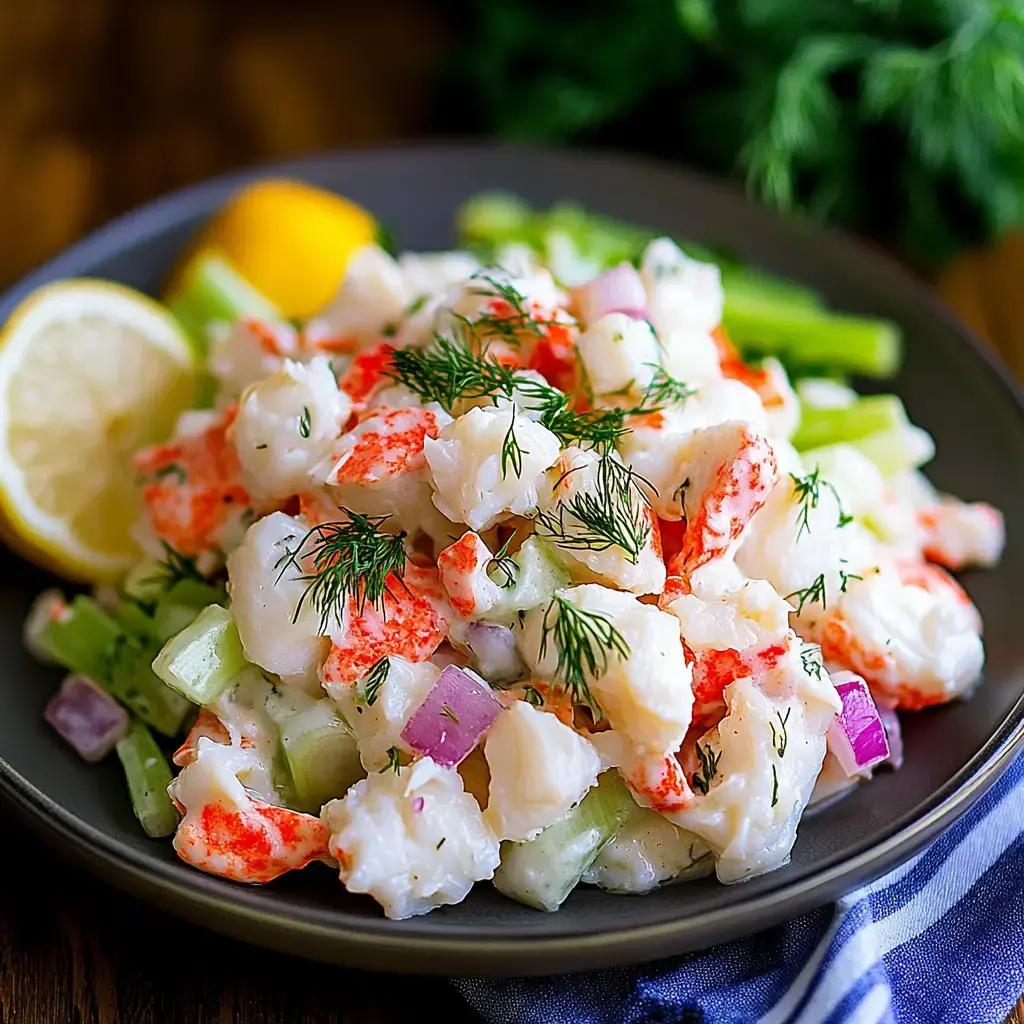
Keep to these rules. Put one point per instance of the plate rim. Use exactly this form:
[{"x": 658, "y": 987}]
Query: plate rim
[{"x": 376, "y": 943}]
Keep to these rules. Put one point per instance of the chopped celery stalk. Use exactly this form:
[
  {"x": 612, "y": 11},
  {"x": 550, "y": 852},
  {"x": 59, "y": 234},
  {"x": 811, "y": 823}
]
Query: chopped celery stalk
[
  {"x": 202, "y": 660},
  {"x": 808, "y": 337},
  {"x": 569, "y": 236},
  {"x": 543, "y": 871},
  {"x": 156, "y": 606},
  {"x": 80, "y": 637},
  {"x": 321, "y": 755},
  {"x": 873, "y": 414},
  {"x": 131, "y": 679},
  {"x": 899, "y": 449},
  {"x": 148, "y": 775},
  {"x": 213, "y": 290}
]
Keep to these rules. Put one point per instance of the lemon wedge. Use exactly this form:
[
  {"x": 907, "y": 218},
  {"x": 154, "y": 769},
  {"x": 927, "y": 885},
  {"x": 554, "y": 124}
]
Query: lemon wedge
[
  {"x": 89, "y": 373},
  {"x": 290, "y": 241}
]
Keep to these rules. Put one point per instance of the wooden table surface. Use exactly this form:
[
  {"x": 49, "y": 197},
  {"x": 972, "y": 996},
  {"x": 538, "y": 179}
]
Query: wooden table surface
[{"x": 73, "y": 951}]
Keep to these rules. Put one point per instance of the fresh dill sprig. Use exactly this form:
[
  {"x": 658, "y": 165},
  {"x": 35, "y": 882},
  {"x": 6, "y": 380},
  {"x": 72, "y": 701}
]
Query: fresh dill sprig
[
  {"x": 448, "y": 713},
  {"x": 445, "y": 372},
  {"x": 611, "y": 514},
  {"x": 844, "y": 579},
  {"x": 352, "y": 559},
  {"x": 511, "y": 453},
  {"x": 709, "y": 759},
  {"x": 810, "y": 657},
  {"x": 780, "y": 739},
  {"x": 504, "y": 563},
  {"x": 663, "y": 390},
  {"x": 599, "y": 429},
  {"x": 583, "y": 643},
  {"x": 172, "y": 469},
  {"x": 305, "y": 422},
  {"x": 394, "y": 762},
  {"x": 375, "y": 679},
  {"x": 775, "y": 785},
  {"x": 810, "y": 595},
  {"x": 807, "y": 491},
  {"x": 175, "y": 568},
  {"x": 511, "y": 326}
]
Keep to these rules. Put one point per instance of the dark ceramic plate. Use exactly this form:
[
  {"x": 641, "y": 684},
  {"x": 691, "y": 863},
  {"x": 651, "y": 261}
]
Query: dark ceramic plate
[{"x": 951, "y": 386}]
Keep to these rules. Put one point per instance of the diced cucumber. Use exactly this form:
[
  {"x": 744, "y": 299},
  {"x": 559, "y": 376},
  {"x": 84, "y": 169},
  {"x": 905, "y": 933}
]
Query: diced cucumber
[
  {"x": 154, "y": 605},
  {"x": 893, "y": 451},
  {"x": 212, "y": 290},
  {"x": 131, "y": 679},
  {"x": 873, "y": 414},
  {"x": 202, "y": 660},
  {"x": 542, "y": 872},
  {"x": 537, "y": 576},
  {"x": 80, "y": 637},
  {"x": 148, "y": 775},
  {"x": 321, "y": 755}
]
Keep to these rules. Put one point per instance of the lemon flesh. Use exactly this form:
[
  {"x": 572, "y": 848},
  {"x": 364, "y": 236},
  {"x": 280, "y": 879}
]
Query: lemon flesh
[{"x": 90, "y": 372}]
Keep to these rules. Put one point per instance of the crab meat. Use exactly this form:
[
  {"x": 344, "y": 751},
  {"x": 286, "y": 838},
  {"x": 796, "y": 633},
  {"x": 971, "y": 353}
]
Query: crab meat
[
  {"x": 193, "y": 491},
  {"x": 729, "y": 472},
  {"x": 226, "y": 832},
  {"x": 286, "y": 425},
  {"x": 627, "y": 551},
  {"x": 644, "y": 693},
  {"x": 249, "y": 351},
  {"x": 959, "y": 534},
  {"x": 463, "y": 571},
  {"x": 206, "y": 724},
  {"x": 478, "y": 479},
  {"x": 911, "y": 632},
  {"x": 619, "y": 354},
  {"x": 411, "y": 624}
]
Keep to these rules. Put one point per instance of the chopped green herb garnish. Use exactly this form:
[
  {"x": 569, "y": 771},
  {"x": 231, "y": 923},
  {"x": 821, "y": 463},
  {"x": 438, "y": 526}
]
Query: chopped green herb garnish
[
  {"x": 780, "y": 739},
  {"x": 810, "y": 656},
  {"x": 810, "y": 595},
  {"x": 583, "y": 642},
  {"x": 448, "y": 713},
  {"x": 305, "y": 422},
  {"x": 260, "y": 447},
  {"x": 394, "y": 762},
  {"x": 533, "y": 696},
  {"x": 173, "y": 569},
  {"x": 504, "y": 564},
  {"x": 375, "y": 679},
  {"x": 845, "y": 578},
  {"x": 511, "y": 453},
  {"x": 610, "y": 514},
  {"x": 708, "y": 767},
  {"x": 440, "y": 843},
  {"x": 347, "y": 560},
  {"x": 807, "y": 491},
  {"x": 172, "y": 469},
  {"x": 664, "y": 390},
  {"x": 775, "y": 785}
]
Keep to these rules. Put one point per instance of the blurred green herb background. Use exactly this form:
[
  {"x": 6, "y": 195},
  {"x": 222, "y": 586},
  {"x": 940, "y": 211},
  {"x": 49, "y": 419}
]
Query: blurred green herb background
[{"x": 900, "y": 119}]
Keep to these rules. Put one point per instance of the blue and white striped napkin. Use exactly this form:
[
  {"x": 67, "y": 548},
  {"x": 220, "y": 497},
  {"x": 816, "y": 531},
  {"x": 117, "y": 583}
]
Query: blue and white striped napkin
[{"x": 938, "y": 941}]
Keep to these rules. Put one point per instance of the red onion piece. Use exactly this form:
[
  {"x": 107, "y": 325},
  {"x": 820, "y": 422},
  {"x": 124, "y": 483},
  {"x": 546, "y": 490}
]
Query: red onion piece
[
  {"x": 455, "y": 713},
  {"x": 618, "y": 290},
  {"x": 495, "y": 653},
  {"x": 87, "y": 717},
  {"x": 893, "y": 733},
  {"x": 856, "y": 735}
]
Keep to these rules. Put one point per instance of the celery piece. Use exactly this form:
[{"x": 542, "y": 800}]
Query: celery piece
[
  {"x": 154, "y": 605},
  {"x": 321, "y": 755},
  {"x": 213, "y": 290},
  {"x": 527, "y": 579},
  {"x": 203, "y": 659},
  {"x": 80, "y": 638},
  {"x": 543, "y": 871},
  {"x": 493, "y": 218},
  {"x": 872, "y": 414},
  {"x": 896, "y": 450},
  {"x": 809, "y": 337},
  {"x": 131, "y": 679},
  {"x": 148, "y": 775}
]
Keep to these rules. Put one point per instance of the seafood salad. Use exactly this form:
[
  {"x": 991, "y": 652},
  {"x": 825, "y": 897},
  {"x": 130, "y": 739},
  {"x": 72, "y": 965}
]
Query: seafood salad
[{"x": 543, "y": 561}]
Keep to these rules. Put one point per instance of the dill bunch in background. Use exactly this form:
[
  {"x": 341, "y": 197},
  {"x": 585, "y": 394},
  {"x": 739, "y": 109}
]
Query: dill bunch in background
[{"x": 900, "y": 119}]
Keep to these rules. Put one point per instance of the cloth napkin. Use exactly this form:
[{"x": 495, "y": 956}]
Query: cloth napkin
[{"x": 940, "y": 940}]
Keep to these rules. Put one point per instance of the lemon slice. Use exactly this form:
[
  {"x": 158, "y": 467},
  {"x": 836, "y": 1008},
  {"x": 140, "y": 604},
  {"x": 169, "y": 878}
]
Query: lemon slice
[
  {"x": 290, "y": 241},
  {"x": 89, "y": 373}
]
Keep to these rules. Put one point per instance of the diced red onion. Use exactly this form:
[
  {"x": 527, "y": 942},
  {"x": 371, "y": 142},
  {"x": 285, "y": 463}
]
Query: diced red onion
[
  {"x": 856, "y": 735},
  {"x": 893, "y": 733},
  {"x": 495, "y": 652},
  {"x": 618, "y": 290},
  {"x": 87, "y": 717},
  {"x": 417, "y": 804},
  {"x": 454, "y": 715}
]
